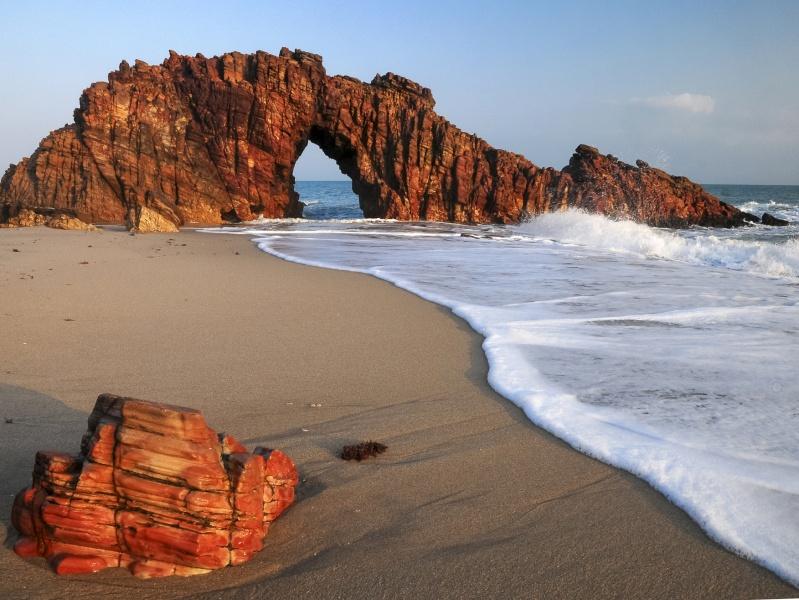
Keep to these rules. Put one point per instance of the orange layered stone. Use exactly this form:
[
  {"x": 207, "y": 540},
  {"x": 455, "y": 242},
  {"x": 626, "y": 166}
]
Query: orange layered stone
[
  {"x": 89, "y": 527},
  {"x": 142, "y": 537},
  {"x": 280, "y": 479},
  {"x": 96, "y": 483},
  {"x": 162, "y": 494},
  {"x": 207, "y": 452},
  {"x": 247, "y": 475},
  {"x": 77, "y": 565},
  {"x": 182, "y": 423},
  {"x": 217, "y": 503},
  {"x": 154, "y": 490},
  {"x": 100, "y": 445},
  {"x": 152, "y": 463}
]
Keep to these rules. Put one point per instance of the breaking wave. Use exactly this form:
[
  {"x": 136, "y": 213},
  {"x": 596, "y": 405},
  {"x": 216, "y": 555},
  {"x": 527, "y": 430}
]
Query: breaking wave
[
  {"x": 706, "y": 247},
  {"x": 671, "y": 354}
]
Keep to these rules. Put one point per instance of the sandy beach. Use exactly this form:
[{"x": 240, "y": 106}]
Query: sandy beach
[{"x": 470, "y": 500}]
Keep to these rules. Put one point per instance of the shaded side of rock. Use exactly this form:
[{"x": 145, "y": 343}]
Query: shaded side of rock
[{"x": 769, "y": 219}]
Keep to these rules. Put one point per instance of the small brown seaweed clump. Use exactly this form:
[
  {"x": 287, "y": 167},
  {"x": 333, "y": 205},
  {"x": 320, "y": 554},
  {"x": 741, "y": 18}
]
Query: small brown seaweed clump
[{"x": 363, "y": 450}]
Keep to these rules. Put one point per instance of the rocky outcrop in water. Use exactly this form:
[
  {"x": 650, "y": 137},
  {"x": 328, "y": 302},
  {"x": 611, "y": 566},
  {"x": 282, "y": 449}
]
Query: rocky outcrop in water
[
  {"x": 212, "y": 140},
  {"x": 154, "y": 490},
  {"x": 769, "y": 219}
]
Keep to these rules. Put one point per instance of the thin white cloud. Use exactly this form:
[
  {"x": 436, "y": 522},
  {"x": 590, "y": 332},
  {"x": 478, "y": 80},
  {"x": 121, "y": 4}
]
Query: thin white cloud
[{"x": 694, "y": 103}]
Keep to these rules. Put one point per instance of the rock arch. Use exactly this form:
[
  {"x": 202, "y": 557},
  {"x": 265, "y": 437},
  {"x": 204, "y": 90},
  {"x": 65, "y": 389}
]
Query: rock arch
[{"x": 209, "y": 140}]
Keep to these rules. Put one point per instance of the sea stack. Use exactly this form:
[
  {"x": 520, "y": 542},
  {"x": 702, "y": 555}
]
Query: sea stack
[
  {"x": 154, "y": 490},
  {"x": 200, "y": 140}
]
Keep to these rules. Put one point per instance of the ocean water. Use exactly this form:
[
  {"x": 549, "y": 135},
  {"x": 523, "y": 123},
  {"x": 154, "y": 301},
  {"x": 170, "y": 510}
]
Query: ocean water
[
  {"x": 328, "y": 200},
  {"x": 671, "y": 354}
]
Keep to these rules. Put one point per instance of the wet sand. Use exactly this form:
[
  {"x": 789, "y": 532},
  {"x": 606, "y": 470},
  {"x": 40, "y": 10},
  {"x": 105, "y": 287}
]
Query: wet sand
[{"x": 470, "y": 500}]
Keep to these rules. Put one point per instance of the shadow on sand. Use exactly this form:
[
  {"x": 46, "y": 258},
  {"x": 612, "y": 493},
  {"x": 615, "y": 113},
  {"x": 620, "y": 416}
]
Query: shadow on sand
[{"x": 38, "y": 422}]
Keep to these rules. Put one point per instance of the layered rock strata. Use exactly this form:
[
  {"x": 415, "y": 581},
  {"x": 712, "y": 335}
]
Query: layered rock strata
[
  {"x": 154, "y": 490},
  {"x": 212, "y": 140}
]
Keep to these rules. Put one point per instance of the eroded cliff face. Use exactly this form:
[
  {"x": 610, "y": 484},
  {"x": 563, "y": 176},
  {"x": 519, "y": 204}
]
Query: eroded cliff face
[{"x": 210, "y": 140}]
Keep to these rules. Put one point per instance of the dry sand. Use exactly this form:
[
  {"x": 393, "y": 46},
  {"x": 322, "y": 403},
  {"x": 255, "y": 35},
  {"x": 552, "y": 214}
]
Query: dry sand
[{"x": 470, "y": 500}]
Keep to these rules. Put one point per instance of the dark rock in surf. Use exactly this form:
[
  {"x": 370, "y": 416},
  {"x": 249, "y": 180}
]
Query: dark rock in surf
[{"x": 768, "y": 219}]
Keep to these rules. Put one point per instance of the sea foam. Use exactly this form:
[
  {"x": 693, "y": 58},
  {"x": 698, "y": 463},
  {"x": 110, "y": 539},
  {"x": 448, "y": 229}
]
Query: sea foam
[
  {"x": 669, "y": 354},
  {"x": 703, "y": 248}
]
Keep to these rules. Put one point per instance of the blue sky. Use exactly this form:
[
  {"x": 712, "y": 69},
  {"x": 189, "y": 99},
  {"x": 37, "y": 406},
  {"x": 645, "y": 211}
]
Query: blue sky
[{"x": 707, "y": 91}]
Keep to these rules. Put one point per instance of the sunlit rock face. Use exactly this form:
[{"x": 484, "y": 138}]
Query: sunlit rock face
[
  {"x": 154, "y": 490},
  {"x": 212, "y": 140}
]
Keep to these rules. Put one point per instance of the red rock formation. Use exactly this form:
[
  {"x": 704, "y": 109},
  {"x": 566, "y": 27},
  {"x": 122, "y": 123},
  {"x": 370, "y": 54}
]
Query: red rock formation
[
  {"x": 203, "y": 140},
  {"x": 154, "y": 490}
]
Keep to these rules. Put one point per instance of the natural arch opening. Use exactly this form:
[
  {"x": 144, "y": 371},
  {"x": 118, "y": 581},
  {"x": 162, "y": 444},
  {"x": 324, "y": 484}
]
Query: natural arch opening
[{"x": 322, "y": 186}]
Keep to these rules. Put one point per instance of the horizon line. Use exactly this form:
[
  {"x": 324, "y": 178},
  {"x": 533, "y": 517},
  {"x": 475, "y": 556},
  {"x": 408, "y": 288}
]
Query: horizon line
[{"x": 700, "y": 183}]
